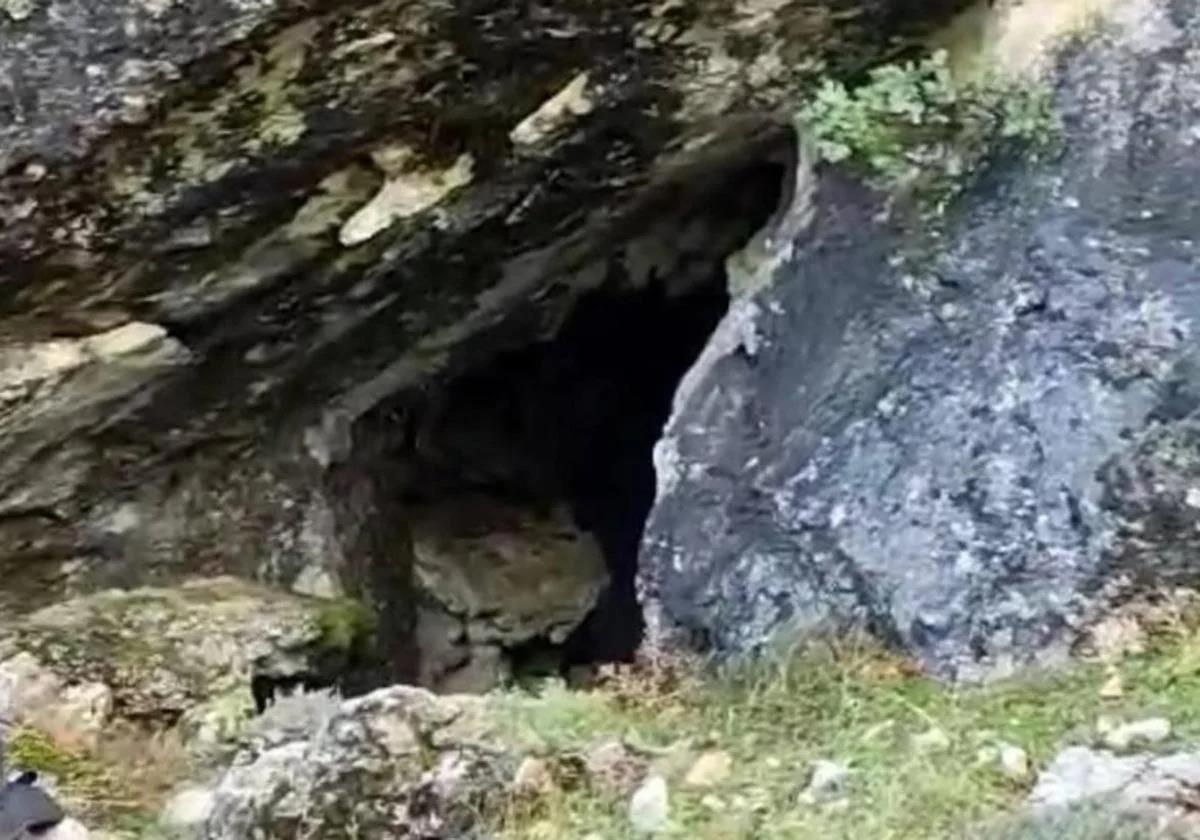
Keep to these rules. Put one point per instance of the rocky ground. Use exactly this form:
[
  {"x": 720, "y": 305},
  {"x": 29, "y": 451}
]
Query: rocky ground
[
  {"x": 601, "y": 420},
  {"x": 837, "y": 739}
]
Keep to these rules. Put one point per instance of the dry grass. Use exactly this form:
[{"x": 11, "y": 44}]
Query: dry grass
[
  {"x": 121, "y": 783},
  {"x": 857, "y": 705}
]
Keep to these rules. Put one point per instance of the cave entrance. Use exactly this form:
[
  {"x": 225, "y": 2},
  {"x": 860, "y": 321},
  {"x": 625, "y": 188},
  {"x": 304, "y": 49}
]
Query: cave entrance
[{"x": 527, "y": 479}]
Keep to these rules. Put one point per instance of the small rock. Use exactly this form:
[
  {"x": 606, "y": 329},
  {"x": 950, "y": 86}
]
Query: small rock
[
  {"x": 68, "y": 829},
  {"x": 987, "y": 755},
  {"x": 713, "y": 803},
  {"x": 709, "y": 770},
  {"x": 1140, "y": 733},
  {"x": 828, "y": 782},
  {"x": 613, "y": 768},
  {"x": 932, "y": 740},
  {"x": 649, "y": 806},
  {"x": 533, "y": 778},
  {"x": 1014, "y": 762},
  {"x": 1113, "y": 687},
  {"x": 188, "y": 809}
]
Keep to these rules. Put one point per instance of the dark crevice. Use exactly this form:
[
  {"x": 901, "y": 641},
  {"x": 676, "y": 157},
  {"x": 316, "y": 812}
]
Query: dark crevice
[{"x": 545, "y": 451}]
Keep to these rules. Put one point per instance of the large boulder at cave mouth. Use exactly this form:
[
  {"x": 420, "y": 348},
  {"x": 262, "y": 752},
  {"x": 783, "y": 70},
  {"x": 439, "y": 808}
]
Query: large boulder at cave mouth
[
  {"x": 972, "y": 442},
  {"x": 192, "y": 654}
]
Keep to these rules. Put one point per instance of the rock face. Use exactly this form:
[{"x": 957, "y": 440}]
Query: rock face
[
  {"x": 974, "y": 470},
  {"x": 154, "y": 655},
  {"x": 398, "y": 762},
  {"x": 246, "y": 247}
]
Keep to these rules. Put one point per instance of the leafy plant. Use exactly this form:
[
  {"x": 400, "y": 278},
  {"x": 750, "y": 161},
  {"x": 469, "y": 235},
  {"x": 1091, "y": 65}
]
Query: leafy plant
[{"x": 913, "y": 128}]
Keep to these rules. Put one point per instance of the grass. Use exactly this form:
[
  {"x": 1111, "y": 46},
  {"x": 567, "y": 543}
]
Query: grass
[
  {"x": 120, "y": 785},
  {"x": 852, "y": 704}
]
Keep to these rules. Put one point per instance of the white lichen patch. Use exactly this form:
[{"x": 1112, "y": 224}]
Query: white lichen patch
[
  {"x": 126, "y": 340},
  {"x": 156, "y": 7},
  {"x": 282, "y": 122},
  {"x": 1017, "y": 38},
  {"x": 337, "y": 195},
  {"x": 573, "y": 101},
  {"x": 17, "y": 9},
  {"x": 404, "y": 196}
]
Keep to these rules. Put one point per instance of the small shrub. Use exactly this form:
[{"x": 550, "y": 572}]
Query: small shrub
[
  {"x": 913, "y": 128},
  {"x": 345, "y": 626}
]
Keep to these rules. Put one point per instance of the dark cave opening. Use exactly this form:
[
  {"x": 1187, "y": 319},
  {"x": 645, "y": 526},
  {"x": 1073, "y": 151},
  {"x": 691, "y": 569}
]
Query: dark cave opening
[{"x": 520, "y": 472}]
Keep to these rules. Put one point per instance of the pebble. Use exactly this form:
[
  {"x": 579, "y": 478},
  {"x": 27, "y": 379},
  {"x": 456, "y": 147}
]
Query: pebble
[
  {"x": 533, "y": 777},
  {"x": 709, "y": 770},
  {"x": 1139, "y": 733},
  {"x": 650, "y": 806},
  {"x": 188, "y": 808},
  {"x": 1113, "y": 687},
  {"x": 828, "y": 781},
  {"x": 1014, "y": 762},
  {"x": 932, "y": 740}
]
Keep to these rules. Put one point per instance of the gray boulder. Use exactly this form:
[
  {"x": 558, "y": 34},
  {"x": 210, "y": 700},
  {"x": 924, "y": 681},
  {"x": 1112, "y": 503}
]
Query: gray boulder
[
  {"x": 1157, "y": 791},
  {"x": 974, "y": 470},
  {"x": 399, "y": 762}
]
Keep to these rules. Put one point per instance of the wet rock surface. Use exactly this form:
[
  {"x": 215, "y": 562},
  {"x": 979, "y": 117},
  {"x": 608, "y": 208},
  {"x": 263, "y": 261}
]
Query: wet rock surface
[{"x": 973, "y": 470}]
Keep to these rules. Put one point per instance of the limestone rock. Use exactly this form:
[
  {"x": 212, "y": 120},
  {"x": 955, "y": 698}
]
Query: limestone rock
[
  {"x": 497, "y": 576},
  {"x": 68, "y": 829},
  {"x": 614, "y": 768},
  {"x": 1013, "y": 762},
  {"x": 931, "y": 740},
  {"x": 187, "y": 811},
  {"x": 650, "y": 806},
  {"x": 977, "y": 467},
  {"x": 710, "y": 769},
  {"x": 1157, "y": 788},
  {"x": 827, "y": 782},
  {"x": 533, "y": 778},
  {"x": 1142, "y": 733},
  {"x": 163, "y": 652},
  {"x": 398, "y": 761}
]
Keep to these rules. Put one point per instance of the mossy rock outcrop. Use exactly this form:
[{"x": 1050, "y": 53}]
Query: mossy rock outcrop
[{"x": 165, "y": 652}]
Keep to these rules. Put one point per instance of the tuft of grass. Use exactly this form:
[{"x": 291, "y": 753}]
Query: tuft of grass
[
  {"x": 1085, "y": 822},
  {"x": 120, "y": 785},
  {"x": 345, "y": 625},
  {"x": 854, "y": 704}
]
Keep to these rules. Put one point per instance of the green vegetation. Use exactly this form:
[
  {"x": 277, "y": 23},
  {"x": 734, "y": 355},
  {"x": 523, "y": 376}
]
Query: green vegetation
[
  {"x": 31, "y": 749},
  {"x": 860, "y": 707},
  {"x": 914, "y": 128},
  {"x": 120, "y": 785},
  {"x": 345, "y": 625}
]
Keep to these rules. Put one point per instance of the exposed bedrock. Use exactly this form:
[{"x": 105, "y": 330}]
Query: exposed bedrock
[{"x": 973, "y": 471}]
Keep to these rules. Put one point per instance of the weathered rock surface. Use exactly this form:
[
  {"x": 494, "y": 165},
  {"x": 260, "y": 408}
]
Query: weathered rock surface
[
  {"x": 972, "y": 471},
  {"x": 154, "y": 655},
  {"x": 399, "y": 762},
  {"x": 1158, "y": 789},
  {"x": 245, "y": 244}
]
